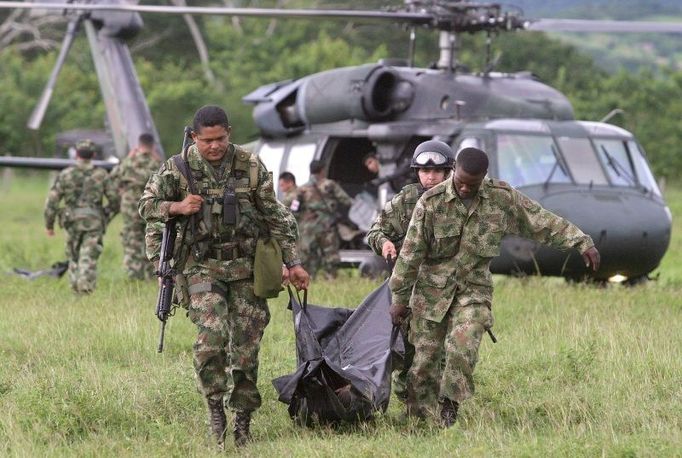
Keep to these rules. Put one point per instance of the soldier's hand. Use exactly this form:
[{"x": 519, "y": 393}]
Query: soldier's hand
[
  {"x": 49, "y": 232},
  {"x": 592, "y": 258},
  {"x": 188, "y": 206},
  {"x": 285, "y": 275},
  {"x": 299, "y": 277},
  {"x": 388, "y": 251},
  {"x": 398, "y": 313}
]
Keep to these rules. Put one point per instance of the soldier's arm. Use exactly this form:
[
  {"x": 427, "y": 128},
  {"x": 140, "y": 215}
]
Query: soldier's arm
[
  {"x": 342, "y": 196},
  {"x": 413, "y": 253},
  {"x": 539, "y": 224},
  {"x": 152, "y": 240},
  {"x": 113, "y": 198},
  {"x": 276, "y": 216},
  {"x": 52, "y": 203},
  {"x": 161, "y": 191},
  {"x": 387, "y": 225}
]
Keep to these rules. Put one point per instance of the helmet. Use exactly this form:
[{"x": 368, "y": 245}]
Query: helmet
[
  {"x": 86, "y": 148},
  {"x": 432, "y": 154}
]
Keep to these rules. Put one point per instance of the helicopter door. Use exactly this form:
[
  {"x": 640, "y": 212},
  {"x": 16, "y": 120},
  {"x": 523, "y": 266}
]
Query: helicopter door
[
  {"x": 344, "y": 156},
  {"x": 271, "y": 155},
  {"x": 298, "y": 161}
]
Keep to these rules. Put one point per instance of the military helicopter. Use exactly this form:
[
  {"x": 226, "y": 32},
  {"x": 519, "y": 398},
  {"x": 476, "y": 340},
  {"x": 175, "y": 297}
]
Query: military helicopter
[{"x": 593, "y": 173}]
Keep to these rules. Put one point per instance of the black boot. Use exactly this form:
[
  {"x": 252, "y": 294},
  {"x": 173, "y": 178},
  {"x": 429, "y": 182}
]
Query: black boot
[
  {"x": 448, "y": 412},
  {"x": 242, "y": 422},
  {"x": 217, "y": 420}
]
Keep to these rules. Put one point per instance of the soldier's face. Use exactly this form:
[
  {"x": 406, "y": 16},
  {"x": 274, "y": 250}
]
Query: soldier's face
[
  {"x": 431, "y": 177},
  {"x": 372, "y": 164},
  {"x": 466, "y": 184},
  {"x": 285, "y": 185},
  {"x": 212, "y": 142}
]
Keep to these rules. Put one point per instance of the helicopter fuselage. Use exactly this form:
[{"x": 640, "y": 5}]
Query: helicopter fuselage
[{"x": 593, "y": 174}]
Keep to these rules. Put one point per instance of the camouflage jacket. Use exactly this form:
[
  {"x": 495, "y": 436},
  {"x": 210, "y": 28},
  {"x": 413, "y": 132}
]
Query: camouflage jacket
[
  {"x": 392, "y": 222},
  {"x": 288, "y": 198},
  {"x": 448, "y": 248},
  {"x": 131, "y": 175},
  {"x": 83, "y": 188},
  {"x": 320, "y": 201},
  {"x": 259, "y": 214}
]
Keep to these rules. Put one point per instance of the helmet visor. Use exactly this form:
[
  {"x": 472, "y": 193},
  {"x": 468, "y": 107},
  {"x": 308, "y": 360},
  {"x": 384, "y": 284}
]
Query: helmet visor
[{"x": 431, "y": 158}]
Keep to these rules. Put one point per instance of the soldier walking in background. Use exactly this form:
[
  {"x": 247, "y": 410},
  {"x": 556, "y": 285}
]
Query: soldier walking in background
[
  {"x": 234, "y": 206},
  {"x": 287, "y": 186},
  {"x": 432, "y": 162},
  {"x": 443, "y": 276},
  {"x": 84, "y": 216},
  {"x": 320, "y": 201},
  {"x": 130, "y": 178}
]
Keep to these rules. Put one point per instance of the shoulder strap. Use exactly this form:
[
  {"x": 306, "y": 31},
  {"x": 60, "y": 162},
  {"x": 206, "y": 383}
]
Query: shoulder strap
[
  {"x": 183, "y": 167},
  {"x": 253, "y": 172}
]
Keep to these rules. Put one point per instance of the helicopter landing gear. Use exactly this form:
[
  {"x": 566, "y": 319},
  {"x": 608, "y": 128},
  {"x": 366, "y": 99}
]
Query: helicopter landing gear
[{"x": 374, "y": 267}]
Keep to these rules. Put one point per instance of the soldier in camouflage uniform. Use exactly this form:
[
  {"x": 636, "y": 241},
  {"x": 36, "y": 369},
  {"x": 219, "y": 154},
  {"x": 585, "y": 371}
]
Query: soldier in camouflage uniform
[
  {"x": 432, "y": 161},
  {"x": 130, "y": 177},
  {"x": 234, "y": 206},
  {"x": 318, "y": 203},
  {"x": 287, "y": 186},
  {"x": 442, "y": 276},
  {"x": 84, "y": 216}
]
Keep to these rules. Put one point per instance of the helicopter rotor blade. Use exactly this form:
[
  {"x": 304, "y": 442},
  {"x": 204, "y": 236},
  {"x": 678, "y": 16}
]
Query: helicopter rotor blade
[
  {"x": 400, "y": 16},
  {"x": 38, "y": 113},
  {"x": 589, "y": 25}
]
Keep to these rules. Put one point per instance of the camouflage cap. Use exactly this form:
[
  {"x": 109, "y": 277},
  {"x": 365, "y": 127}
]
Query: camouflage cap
[{"x": 86, "y": 146}]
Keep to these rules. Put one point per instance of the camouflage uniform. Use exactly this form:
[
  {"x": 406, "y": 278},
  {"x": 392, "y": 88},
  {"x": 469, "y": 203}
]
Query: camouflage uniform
[
  {"x": 289, "y": 197},
  {"x": 391, "y": 225},
  {"x": 229, "y": 317},
  {"x": 130, "y": 177},
  {"x": 84, "y": 218},
  {"x": 445, "y": 258},
  {"x": 317, "y": 218}
]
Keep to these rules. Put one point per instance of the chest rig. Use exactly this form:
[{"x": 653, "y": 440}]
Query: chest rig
[{"x": 226, "y": 218}]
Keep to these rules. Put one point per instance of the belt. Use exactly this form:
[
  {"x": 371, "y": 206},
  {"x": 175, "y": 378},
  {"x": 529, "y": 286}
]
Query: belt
[{"x": 221, "y": 253}]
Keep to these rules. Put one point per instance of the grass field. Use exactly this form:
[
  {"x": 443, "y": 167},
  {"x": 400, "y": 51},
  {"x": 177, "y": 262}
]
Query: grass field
[{"x": 577, "y": 371}]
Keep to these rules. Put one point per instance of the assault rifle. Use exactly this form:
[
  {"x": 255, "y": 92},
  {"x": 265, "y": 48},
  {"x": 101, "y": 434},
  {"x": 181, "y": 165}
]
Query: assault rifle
[{"x": 166, "y": 271}]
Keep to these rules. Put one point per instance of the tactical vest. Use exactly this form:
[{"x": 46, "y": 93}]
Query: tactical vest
[{"x": 228, "y": 224}]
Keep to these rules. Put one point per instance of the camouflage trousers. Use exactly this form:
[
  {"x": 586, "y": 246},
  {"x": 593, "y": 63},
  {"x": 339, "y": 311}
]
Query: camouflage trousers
[
  {"x": 455, "y": 340},
  {"x": 83, "y": 248},
  {"x": 400, "y": 375},
  {"x": 132, "y": 237},
  {"x": 319, "y": 249},
  {"x": 230, "y": 328}
]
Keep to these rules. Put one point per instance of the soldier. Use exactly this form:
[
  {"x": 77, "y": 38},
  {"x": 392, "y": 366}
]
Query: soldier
[
  {"x": 84, "y": 216},
  {"x": 287, "y": 186},
  {"x": 432, "y": 161},
  {"x": 235, "y": 205},
  {"x": 130, "y": 177},
  {"x": 319, "y": 202},
  {"x": 442, "y": 276}
]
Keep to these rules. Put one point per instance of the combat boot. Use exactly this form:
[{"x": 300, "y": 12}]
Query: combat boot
[
  {"x": 242, "y": 423},
  {"x": 217, "y": 420},
  {"x": 448, "y": 412}
]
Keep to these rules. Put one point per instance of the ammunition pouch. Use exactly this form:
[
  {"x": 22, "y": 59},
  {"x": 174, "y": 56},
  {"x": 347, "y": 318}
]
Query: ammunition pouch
[
  {"x": 181, "y": 291},
  {"x": 223, "y": 252},
  {"x": 267, "y": 269}
]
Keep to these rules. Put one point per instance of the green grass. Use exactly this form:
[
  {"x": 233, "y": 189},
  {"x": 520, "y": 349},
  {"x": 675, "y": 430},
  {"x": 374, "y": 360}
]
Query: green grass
[{"x": 577, "y": 371}]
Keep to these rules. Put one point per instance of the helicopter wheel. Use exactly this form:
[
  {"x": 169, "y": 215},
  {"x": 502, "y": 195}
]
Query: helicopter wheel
[
  {"x": 635, "y": 281},
  {"x": 374, "y": 268}
]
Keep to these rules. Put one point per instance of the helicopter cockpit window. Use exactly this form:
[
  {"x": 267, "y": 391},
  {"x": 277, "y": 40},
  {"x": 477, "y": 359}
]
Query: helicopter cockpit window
[
  {"x": 271, "y": 155},
  {"x": 529, "y": 159},
  {"x": 582, "y": 161},
  {"x": 646, "y": 178},
  {"x": 615, "y": 158},
  {"x": 299, "y": 161}
]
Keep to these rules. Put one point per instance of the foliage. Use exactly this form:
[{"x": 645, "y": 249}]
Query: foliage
[{"x": 577, "y": 371}]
